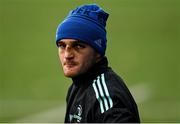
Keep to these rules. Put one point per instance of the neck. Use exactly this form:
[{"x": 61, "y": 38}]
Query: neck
[{"x": 92, "y": 73}]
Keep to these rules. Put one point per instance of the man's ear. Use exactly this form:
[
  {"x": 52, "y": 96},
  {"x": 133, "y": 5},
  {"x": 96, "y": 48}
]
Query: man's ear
[{"x": 98, "y": 57}]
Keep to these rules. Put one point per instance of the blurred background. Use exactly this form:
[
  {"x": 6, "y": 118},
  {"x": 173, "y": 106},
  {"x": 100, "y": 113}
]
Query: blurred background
[{"x": 143, "y": 47}]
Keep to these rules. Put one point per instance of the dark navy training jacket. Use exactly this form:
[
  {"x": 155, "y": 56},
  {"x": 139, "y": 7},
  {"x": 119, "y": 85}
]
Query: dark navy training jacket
[{"x": 100, "y": 96}]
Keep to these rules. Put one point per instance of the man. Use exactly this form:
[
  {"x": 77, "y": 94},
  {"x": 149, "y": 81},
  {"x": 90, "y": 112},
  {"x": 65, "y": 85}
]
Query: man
[{"x": 97, "y": 94}]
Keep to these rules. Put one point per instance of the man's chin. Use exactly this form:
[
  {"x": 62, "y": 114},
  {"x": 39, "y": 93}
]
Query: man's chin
[
  {"x": 70, "y": 75},
  {"x": 71, "y": 72}
]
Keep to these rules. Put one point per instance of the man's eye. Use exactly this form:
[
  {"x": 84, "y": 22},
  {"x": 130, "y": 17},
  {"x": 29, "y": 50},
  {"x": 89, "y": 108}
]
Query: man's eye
[
  {"x": 62, "y": 46},
  {"x": 79, "y": 46}
]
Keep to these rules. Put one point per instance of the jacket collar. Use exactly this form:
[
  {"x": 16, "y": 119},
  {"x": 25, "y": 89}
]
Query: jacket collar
[{"x": 89, "y": 76}]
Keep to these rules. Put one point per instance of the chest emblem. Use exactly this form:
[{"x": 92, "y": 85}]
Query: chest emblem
[{"x": 77, "y": 116}]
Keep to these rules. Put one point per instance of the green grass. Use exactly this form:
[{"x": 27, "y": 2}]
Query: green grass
[{"x": 143, "y": 47}]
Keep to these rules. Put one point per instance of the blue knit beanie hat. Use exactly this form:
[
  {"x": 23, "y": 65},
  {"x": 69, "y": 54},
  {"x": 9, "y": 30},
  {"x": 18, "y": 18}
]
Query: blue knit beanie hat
[{"x": 87, "y": 24}]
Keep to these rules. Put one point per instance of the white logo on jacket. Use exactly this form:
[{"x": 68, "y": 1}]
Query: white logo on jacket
[{"x": 77, "y": 115}]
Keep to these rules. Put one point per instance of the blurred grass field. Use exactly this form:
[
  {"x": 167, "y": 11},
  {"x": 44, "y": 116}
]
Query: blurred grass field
[{"x": 143, "y": 47}]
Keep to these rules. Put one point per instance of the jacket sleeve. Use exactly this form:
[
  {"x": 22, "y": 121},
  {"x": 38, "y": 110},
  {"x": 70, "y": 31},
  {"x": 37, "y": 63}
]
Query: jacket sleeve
[
  {"x": 122, "y": 109},
  {"x": 117, "y": 115}
]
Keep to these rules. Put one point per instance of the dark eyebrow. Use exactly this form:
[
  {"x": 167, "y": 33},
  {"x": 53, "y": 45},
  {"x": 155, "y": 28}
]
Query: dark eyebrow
[
  {"x": 60, "y": 42},
  {"x": 74, "y": 42},
  {"x": 79, "y": 42}
]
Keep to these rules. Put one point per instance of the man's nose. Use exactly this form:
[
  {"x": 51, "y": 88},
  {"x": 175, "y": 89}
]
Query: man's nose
[{"x": 69, "y": 53}]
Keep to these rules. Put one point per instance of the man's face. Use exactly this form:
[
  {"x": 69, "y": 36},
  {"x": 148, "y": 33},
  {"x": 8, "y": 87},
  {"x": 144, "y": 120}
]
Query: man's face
[{"x": 76, "y": 57}]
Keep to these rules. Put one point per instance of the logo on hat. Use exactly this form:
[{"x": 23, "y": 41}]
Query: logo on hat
[{"x": 98, "y": 42}]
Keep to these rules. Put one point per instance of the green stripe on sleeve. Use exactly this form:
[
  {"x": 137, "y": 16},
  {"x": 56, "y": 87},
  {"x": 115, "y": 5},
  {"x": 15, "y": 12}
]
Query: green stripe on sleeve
[
  {"x": 102, "y": 94},
  {"x": 97, "y": 96},
  {"x": 106, "y": 90}
]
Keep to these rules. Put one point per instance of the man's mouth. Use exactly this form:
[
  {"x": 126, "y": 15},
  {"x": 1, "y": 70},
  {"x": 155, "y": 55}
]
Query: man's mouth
[{"x": 70, "y": 64}]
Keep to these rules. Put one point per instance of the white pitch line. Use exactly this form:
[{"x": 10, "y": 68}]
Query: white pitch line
[{"x": 141, "y": 92}]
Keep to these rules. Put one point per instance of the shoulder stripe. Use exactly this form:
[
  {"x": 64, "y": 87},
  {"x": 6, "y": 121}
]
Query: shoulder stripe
[
  {"x": 102, "y": 93},
  {"x": 106, "y": 90},
  {"x": 97, "y": 96}
]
